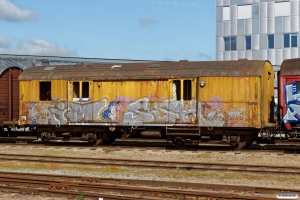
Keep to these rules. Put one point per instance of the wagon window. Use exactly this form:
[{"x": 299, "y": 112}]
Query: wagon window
[
  {"x": 85, "y": 89},
  {"x": 176, "y": 89},
  {"x": 45, "y": 91},
  {"x": 76, "y": 90},
  {"x": 187, "y": 90},
  {"x": 298, "y": 86}
]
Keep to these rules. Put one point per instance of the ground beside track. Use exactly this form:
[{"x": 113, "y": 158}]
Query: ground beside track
[{"x": 264, "y": 158}]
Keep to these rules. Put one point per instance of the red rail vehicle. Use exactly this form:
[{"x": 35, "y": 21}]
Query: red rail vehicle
[
  {"x": 9, "y": 97},
  {"x": 289, "y": 98}
]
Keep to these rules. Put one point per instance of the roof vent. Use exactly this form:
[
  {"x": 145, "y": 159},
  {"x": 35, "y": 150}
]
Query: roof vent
[
  {"x": 154, "y": 65},
  {"x": 49, "y": 68},
  {"x": 116, "y": 66}
]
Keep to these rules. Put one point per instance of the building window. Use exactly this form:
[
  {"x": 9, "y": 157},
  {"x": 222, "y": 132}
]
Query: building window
[
  {"x": 45, "y": 91},
  {"x": 248, "y": 42},
  {"x": 290, "y": 40},
  {"x": 230, "y": 43},
  {"x": 271, "y": 41}
]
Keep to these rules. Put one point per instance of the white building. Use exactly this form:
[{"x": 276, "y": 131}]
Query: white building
[{"x": 257, "y": 30}]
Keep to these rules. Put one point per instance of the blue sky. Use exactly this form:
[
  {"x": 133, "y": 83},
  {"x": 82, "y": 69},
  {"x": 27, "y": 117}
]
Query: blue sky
[{"x": 116, "y": 29}]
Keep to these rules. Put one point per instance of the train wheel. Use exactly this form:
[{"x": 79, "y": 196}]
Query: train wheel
[
  {"x": 108, "y": 141},
  {"x": 242, "y": 145},
  {"x": 95, "y": 142},
  {"x": 179, "y": 142}
]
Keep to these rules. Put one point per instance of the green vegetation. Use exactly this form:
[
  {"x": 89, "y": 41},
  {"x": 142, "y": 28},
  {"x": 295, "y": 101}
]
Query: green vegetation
[{"x": 79, "y": 197}]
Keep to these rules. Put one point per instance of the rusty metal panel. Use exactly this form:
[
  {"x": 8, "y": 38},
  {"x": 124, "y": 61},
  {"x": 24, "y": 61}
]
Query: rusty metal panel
[
  {"x": 267, "y": 98},
  {"x": 237, "y": 101},
  {"x": 9, "y": 90},
  {"x": 4, "y": 89},
  {"x": 145, "y": 71},
  {"x": 59, "y": 90},
  {"x": 229, "y": 101},
  {"x": 29, "y": 90},
  {"x": 290, "y": 67},
  {"x": 15, "y": 72}
]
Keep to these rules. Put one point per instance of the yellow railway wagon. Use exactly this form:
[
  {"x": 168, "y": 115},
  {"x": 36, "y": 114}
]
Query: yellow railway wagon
[{"x": 187, "y": 102}]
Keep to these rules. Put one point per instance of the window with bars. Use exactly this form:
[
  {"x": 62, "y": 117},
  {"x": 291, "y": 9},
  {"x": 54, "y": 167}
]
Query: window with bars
[
  {"x": 80, "y": 91},
  {"x": 187, "y": 89}
]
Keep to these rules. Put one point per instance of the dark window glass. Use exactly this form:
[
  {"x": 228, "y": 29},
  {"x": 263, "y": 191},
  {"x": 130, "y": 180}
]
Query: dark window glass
[
  {"x": 233, "y": 43},
  {"x": 298, "y": 86},
  {"x": 294, "y": 40},
  {"x": 45, "y": 91},
  {"x": 227, "y": 43},
  {"x": 286, "y": 40},
  {"x": 76, "y": 90},
  {"x": 230, "y": 43},
  {"x": 85, "y": 89},
  {"x": 177, "y": 88},
  {"x": 248, "y": 42},
  {"x": 271, "y": 41},
  {"x": 187, "y": 90}
]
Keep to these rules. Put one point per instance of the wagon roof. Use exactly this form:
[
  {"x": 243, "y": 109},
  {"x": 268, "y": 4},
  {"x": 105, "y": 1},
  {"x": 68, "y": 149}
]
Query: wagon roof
[
  {"x": 148, "y": 70},
  {"x": 290, "y": 67}
]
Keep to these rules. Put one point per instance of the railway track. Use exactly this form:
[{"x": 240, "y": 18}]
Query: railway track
[
  {"x": 156, "y": 164},
  {"x": 280, "y": 145},
  {"x": 109, "y": 188}
]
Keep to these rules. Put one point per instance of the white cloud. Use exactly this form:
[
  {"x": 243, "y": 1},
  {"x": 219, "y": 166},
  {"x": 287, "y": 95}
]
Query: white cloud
[
  {"x": 147, "y": 21},
  {"x": 33, "y": 47},
  {"x": 4, "y": 42},
  {"x": 10, "y": 12}
]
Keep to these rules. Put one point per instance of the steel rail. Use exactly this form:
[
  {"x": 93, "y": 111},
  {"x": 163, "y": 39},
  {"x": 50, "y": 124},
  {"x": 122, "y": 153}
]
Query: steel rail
[
  {"x": 157, "y": 164},
  {"x": 71, "y": 185}
]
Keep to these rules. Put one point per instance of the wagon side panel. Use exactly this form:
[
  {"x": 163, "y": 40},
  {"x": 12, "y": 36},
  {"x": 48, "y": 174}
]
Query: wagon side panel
[{"x": 229, "y": 102}]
